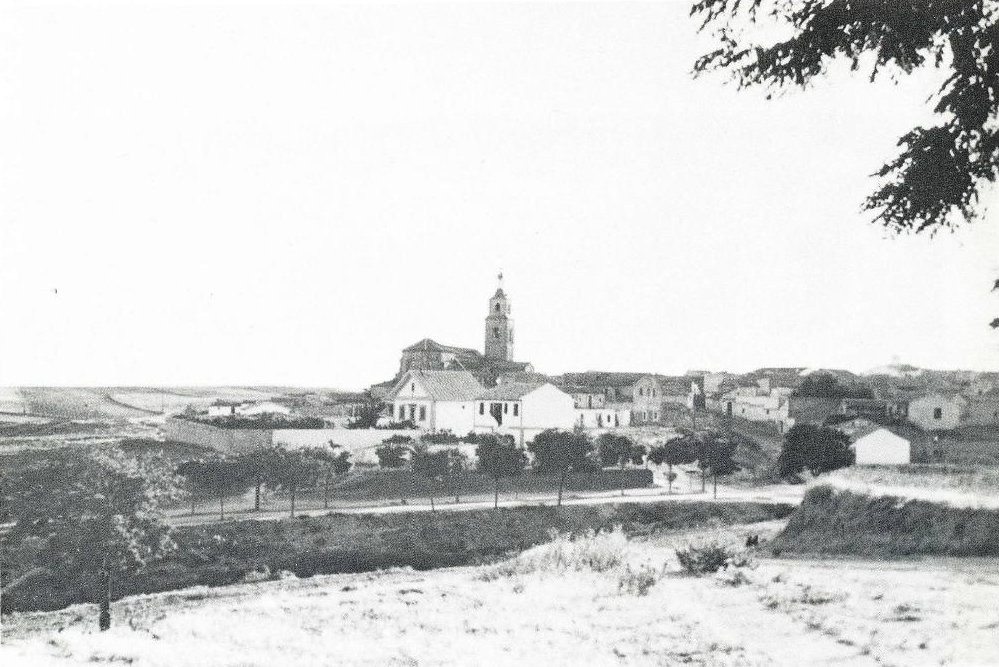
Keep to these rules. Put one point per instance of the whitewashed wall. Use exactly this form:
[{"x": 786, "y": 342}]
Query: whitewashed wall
[{"x": 882, "y": 447}]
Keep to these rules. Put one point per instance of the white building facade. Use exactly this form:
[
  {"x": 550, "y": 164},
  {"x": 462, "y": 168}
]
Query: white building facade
[
  {"x": 436, "y": 400},
  {"x": 882, "y": 447},
  {"x": 523, "y": 410}
]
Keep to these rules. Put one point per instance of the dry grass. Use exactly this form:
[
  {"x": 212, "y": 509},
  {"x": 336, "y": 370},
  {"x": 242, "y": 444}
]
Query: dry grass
[
  {"x": 569, "y": 602},
  {"x": 955, "y": 485}
]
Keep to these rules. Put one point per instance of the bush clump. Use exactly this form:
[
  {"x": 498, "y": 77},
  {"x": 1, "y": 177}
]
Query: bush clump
[{"x": 705, "y": 559}]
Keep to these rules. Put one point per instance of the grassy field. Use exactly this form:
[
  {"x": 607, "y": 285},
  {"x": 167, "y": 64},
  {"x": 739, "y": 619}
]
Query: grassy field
[
  {"x": 600, "y": 600},
  {"x": 219, "y": 554}
]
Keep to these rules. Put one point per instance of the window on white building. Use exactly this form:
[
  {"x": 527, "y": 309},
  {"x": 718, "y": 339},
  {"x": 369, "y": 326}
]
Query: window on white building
[
  {"x": 482, "y": 408},
  {"x": 423, "y": 413},
  {"x": 938, "y": 413},
  {"x": 515, "y": 410}
]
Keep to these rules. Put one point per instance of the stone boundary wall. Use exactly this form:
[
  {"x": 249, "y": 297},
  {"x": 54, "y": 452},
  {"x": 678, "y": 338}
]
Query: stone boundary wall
[{"x": 227, "y": 441}]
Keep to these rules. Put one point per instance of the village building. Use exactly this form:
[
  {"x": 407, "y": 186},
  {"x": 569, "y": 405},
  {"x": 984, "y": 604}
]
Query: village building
[
  {"x": 759, "y": 404},
  {"x": 653, "y": 393},
  {"x": 585, "y": 398},
  {"x": 718, "y": 383},
  {"x": 615, "y": 386},
  {"x": 523, "y": 410},
  {"x": 262, "y": 408},
  {"x": 877, "y": 445},
  {"x": 937, "y": 411},
  {"x": 880, "y": 410},
  {"x": 222, "y": 408},
  {"x": 608, "y": 416},
  {"x": 810, "y": 409},
  {"x": 487, "y": 367},
  {"x": 983, "y": 409},
  {"x": 435, "y": 400}
]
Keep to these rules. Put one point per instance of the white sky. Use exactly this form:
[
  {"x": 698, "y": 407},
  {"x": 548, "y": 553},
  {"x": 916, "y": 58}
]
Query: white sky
[{"x": 290, "y": 195}]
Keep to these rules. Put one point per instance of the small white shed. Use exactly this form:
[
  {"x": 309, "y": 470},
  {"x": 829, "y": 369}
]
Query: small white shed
[{"x": 881, "y": 447}]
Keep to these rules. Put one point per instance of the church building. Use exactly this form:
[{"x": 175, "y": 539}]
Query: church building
[{"x": 495, "y": 360}]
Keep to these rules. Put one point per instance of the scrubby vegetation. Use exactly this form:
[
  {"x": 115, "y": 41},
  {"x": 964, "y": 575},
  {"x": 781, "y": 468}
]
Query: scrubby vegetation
[
  {"x": 704, "y": 559},
  {"x": 843, "y": 522},
  {"x": 225, "y": 553}
]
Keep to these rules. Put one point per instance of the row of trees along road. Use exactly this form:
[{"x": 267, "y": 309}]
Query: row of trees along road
[
  {"x": 712, "y": 451},
  {"x": 90, "y": 515},
  {"x": 558, "y": 453},
  {"x": 273, "y": 468}
]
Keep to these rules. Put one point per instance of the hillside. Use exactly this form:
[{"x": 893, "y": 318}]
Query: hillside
[{"x": 602, "y": 600}]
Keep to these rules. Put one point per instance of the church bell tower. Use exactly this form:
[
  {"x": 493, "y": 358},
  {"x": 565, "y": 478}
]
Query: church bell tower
[{"x": 499, "y": 326}]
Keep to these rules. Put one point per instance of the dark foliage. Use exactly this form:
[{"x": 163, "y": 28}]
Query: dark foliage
[
  {"x": 823, "y": 385},
  {"x": 392, "y": 455},
  {"x": 500, "y": 458},
  {"x": 704, "y": 559},
  {"x": 368, "y": 415},
  {"x": 934, "y": 182},
  {"x": 440, "y": 438},
  {"x": 263, "y": 422},
  {"x": 817, "y": 449}
]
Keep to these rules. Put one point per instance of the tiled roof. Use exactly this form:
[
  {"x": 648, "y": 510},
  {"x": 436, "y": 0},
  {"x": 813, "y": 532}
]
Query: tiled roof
[
  {"x": 510, "y": 391},
  {"x": 507, "y": 377},
  {"x": 672, "y": 385},
  {"x": 602, "y": 379},
  {"x": 429, "y": 345},
  {"x": 444, "y": 385}
]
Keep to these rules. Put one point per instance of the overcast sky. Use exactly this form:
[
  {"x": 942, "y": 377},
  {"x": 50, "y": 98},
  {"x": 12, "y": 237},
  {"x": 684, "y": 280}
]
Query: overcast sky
[{"x": 290, "y": 195}]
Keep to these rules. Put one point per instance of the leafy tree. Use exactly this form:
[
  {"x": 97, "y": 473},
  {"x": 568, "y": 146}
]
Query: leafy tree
[
  {"x": 334, "y": 465},
  {"x": 369, "y": 414},
  {"x": 935, "y": 182},
  {"x": 818, "y": 449},
  {"x": 714, "y": 456},
  {"x": 824, "y": 385},
  {"x": 499, "y": 458},
  {"x": 295, "y": 469},
  {"x": 391, "y": 456},
  {"x": 618, "y": 450},
  {"x": 675, "y": 451},
  {"x": 433, "y": 466},
  {"x": 222, "y": 475},
  {"x": 443, "y": 437},
  {"x": 457, "y": 462},
  {"x": 258, "y": 469},
  {"x": 94, "y": 516},
  {"x": 559, "y": 452}
]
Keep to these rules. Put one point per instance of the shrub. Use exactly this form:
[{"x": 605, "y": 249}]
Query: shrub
[
  {"x": 705, "y": 559},
  {"x": 440, "y": 438},
  {"x": 637, "y": 581},
  {"x": 591, "y": 551}
]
